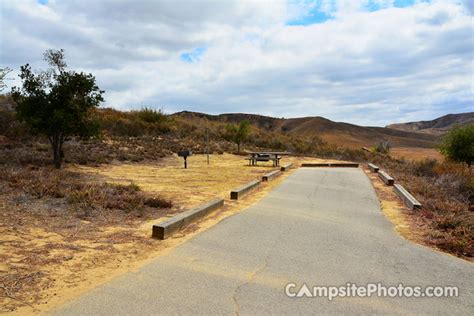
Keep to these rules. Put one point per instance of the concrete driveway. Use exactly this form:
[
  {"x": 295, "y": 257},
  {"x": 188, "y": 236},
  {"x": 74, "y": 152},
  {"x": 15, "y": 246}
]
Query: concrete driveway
[{"x": 321, "y": 227}]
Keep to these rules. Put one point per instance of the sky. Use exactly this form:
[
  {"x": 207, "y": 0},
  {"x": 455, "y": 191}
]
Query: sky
[{"x": 367, "y": 62}]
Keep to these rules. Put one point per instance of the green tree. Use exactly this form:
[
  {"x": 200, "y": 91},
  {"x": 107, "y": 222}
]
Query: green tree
[
  {"x": 458, "y": 145},
  {"x": 57, "y": 102},
  {"x": 238, "y": 133}
]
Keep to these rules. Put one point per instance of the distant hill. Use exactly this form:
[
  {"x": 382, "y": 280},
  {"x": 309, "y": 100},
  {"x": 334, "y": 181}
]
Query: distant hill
[
  {"x": 335, "y": 132},
  {"x": 437, "y": 126}
]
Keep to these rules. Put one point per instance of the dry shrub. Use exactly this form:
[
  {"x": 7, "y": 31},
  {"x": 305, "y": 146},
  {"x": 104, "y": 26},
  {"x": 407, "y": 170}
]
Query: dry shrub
[
  {"x": 446, "y": 191},
  {"x": 158, "y": 202},
  {"x": 145, "y": 122},
  {"x": 425, "y": 167},
  {"x": 85, "y": 198}
]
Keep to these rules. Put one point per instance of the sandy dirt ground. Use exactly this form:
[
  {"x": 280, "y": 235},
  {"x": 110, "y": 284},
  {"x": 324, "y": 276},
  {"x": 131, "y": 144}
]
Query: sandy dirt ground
[{"x": 45, "y": 268}]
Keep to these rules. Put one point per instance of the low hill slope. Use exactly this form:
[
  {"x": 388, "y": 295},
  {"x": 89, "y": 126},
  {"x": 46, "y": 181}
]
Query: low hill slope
[
  {"x": 437, "y": 126},
  {"x": 335, "y": 132}
]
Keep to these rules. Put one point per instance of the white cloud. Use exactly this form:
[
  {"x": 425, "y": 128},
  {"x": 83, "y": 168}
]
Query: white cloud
[{"x": 372, "y": 68}]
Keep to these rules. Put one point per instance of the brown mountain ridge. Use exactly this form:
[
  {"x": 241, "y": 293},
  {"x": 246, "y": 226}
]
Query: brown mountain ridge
[
  {"x": 340, "y": 133},
  {"x": 437, "y": 126}
]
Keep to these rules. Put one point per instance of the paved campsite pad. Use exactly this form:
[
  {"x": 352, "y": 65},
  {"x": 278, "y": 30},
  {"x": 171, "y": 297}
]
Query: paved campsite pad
[{"x": 321, "y": 227}]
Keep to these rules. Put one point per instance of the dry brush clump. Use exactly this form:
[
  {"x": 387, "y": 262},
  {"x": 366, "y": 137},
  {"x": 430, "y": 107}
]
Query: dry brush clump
[
  {"x": 82, "y": 197},
  {"x": 38, "y": 203},
  {"x": 446, "y": 191},
  {"x": 145, "y": 122}
]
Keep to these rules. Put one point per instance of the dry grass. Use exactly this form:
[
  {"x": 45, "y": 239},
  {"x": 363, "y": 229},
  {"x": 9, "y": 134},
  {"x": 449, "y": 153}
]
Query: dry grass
[
  {"x": 185, "y": 187},
  {"x": 415, "y": 153},
  {"x": 446, "y": 192},
  {"x": 348, "y": 141},
  {"x": 80, "y": 197}
]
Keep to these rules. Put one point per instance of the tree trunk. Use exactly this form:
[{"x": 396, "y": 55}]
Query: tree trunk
[
  {"x": 56, "y": 143},
  {"x": 57, "y": 155},
  {"x": 238, "y": 147}
]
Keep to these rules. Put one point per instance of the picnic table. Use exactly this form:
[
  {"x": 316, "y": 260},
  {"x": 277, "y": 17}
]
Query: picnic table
[{"x": 273, "y": 156}]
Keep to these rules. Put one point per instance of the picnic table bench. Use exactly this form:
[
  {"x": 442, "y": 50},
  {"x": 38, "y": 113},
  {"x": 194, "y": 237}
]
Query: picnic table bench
[{"x": 275, "y": 157}]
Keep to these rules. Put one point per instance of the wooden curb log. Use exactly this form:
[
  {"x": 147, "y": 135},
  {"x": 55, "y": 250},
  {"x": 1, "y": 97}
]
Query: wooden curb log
[
  {"x": 165, "y": 229},
  {"x": 286, "y": 167},
  {"x": 373, "y": 168},
  {"x": 345, "y": 164},
  {"x": 270, "y": 175},
  {"x": 409, "y": 200},
  {"x": 315, "y": 164},
  {"x": 335, "y": 164},
  {"x": 240, "y": 191},
  {"x": 386, "y": 178}
]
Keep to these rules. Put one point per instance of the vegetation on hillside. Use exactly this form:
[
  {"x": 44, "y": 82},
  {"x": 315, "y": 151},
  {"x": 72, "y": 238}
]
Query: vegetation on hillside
[
  {"x": 144, "y": 122},
  {"x": 238, "y": 133}
]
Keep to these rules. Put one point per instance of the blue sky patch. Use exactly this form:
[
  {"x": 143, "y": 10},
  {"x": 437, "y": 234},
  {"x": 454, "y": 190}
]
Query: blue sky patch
[
  {"x": 314, "y": 16},
  {"x": 403, "y": 3},
  {"x": 317, "y": 14},
  {"x": 407, "y": 3},
  {"x": 372, "y": 6},
  {"x": 310, "y": 11},
  {"x": 43, "y": 2},
  {"x": 193, "y": 56}
]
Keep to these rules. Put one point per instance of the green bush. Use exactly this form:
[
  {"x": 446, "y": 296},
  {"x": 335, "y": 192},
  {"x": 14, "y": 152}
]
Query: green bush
[{"x": 458, "y": 145}]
